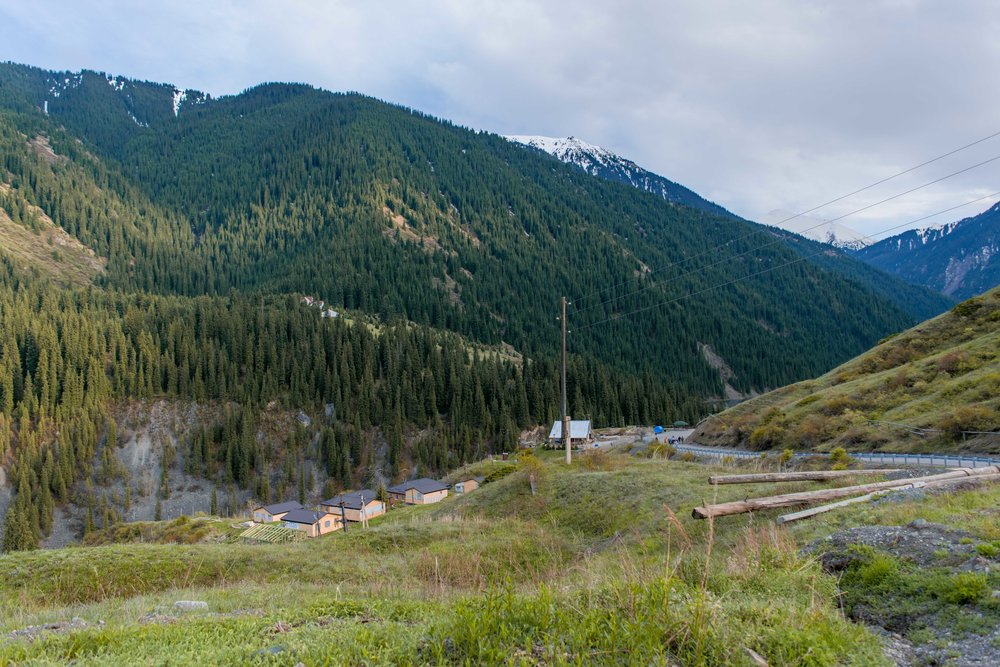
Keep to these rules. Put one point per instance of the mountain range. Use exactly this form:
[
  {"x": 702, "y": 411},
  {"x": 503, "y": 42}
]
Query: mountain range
[
  {"x": 158, "y": 245},
  {"x": 957, "y": 260},
  {"x": 960, "y": 259}
]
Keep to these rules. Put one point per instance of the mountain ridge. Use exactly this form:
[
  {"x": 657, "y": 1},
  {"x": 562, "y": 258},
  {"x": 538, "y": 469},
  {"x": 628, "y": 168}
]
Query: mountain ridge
[{"x": 960, "y": 259}]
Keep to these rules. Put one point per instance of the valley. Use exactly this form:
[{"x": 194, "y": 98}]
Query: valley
[{"x": 212, "y": 305}]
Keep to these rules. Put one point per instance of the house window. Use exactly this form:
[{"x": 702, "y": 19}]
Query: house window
[{"x": 326, "y": 524}]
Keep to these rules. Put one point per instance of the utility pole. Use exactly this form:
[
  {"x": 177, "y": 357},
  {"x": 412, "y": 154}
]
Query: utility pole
[{"x": 567, "y": 440}]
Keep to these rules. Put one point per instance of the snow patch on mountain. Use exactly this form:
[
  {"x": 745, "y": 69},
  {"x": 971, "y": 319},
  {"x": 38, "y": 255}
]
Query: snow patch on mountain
[
  {"x": 179, "y": 97},
  {"x": 602, "y": 163},
  {"x": 570, "y": 149},
  {"x": 835, "y": 233}
]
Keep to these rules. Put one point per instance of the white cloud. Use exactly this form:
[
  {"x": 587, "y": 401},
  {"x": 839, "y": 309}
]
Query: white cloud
[{"x": 764, "y": 105}]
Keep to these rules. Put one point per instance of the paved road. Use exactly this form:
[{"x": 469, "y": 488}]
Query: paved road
[{"x": 924, "y": 460}]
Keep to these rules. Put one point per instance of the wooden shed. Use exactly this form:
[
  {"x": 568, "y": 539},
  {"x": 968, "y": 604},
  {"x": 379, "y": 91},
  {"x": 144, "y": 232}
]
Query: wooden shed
[{"x": 467, "y": 484}]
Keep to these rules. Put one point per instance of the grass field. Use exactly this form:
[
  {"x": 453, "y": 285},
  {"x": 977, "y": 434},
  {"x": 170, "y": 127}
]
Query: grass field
[{"x": 593, "y": 569}]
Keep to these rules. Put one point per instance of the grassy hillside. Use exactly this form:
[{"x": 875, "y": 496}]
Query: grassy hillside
[
  {"x": 941, "y": 378},
  {"x": 499, "y": 576},
  {"x": 593, "y": 569}
]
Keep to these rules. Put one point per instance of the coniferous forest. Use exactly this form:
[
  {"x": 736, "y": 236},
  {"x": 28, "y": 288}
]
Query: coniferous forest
[{"x": 156, "y": 249}]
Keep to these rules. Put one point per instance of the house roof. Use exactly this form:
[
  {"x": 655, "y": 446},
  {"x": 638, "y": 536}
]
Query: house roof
[
  {"x": 423, "y": 485},
  {"x": 577, "y": 429},
  {"x": 278, "y": 508},
  {"x": 352, "y": 500},
  {"x": 479, "y": 479},
  {"x": 304, "y": 516}
]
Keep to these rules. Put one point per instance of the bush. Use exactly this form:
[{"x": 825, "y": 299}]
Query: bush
[
  {"x": 969, "y": 418},
  {"x": 967, "y": 308},
  {"x": 962, "y": 588},
  {"x": 840, "y": 457},
  {"x": 766, "y": 437}
]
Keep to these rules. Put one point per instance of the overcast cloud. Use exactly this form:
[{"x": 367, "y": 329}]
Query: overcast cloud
[{"x": 756, "y": 105}]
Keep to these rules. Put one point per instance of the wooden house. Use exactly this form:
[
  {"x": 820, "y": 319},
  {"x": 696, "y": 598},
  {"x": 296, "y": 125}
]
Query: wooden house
[
  {"x": 580, "y": 433},
  {"x": 356, "y": 506},
  {"x": 313, "y": 524},
  {"x": 423, "y": 491},
  {"x": 274, "y": 512}
]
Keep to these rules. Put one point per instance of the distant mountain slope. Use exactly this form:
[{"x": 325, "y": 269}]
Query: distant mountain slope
[
  {"x": 942, "y": 375},
  {"x": 960, "y": 259},
  {"x": 836, "y": 234},
  {"x": 602, "y": 163}
]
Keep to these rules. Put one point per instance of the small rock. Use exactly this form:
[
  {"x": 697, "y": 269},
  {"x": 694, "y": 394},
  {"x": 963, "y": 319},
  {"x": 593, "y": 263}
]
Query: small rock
[
  {"x": 190, "y": 605},
  {"x": 918, "y": 523},
  {"x": 995, "y": 595},
  {"x": 272, "y": 650}
]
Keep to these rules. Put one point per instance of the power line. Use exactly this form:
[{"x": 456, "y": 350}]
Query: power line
[
  {"x": 773, "y": 268},
  {"x": 767, "y": 245},
  {"x": 815, "y": 208}
]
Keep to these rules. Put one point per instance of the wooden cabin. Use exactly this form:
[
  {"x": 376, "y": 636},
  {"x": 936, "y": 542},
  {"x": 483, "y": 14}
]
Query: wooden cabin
[
  {"x": 355, "y": 506},
  {"x": 313, "y": 524},
  {"x": 423, "y": 491},
  {"x": 580, "y": 434},
  {"x": 274, "y": 512}
]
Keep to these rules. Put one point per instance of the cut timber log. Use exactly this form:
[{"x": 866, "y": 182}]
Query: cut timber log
[
  {"x": 823, "y": 495},
  {"x": 916, "y": 484},
  {"x": 799, "y": 476}
]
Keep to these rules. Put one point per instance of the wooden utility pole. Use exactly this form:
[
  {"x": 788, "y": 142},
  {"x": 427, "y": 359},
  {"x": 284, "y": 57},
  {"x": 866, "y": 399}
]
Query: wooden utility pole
[{"x": 567, "y": 440}]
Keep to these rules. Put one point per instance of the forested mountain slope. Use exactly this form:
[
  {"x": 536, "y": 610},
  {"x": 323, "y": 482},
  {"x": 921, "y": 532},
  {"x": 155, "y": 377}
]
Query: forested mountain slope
[
  {"x": 287, "y": 188},
  {"x": 960, "y": 259},
  {"x": 928, "y": 389},
  {"x": 919, "y": 302}
]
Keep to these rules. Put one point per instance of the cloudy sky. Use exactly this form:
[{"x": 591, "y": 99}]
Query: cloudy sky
[{"x": 772, "y": 104}]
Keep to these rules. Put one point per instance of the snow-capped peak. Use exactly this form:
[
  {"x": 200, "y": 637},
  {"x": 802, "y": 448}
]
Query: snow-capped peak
[
  {"x": 817, "y": 229},
  {"x": 567, "y": 149}
]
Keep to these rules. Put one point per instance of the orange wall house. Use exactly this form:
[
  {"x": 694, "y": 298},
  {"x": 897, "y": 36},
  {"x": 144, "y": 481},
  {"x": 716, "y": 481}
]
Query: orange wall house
[
  {"x": 269, "y": 513},
  {"x": 352, "y": 505},
  {"x": 313, "y": 524}
]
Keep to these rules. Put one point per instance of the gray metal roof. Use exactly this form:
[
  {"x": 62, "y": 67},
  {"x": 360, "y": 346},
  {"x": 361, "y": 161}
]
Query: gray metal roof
[
  {"x": 278, "y": 508},
  {"x": 423, "y": 485},
  {"x": 352, "y": 500},
  {"x": 577, "y": 429},
  {"x": 303, "y": 516}
]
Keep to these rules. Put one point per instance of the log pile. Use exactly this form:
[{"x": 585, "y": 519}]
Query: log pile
[{"x": 864, "y": 491}]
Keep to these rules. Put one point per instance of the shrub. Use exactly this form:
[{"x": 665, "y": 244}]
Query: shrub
[
  {"x": 967, "y": 308},
  {"x": 968, "y": 418},
  {"x": 766, "y": 437},
  {"x": 961, "y": 588},
  {"x": 988, "y": 550},
  {"x": 785, "y": 457},
  {"x": 597, "y": 459},
  {"x": 840, "y": 457}
]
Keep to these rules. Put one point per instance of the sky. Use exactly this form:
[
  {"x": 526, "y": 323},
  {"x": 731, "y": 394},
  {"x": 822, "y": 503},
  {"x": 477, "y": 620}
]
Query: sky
[{"x": 772, "y": 104}]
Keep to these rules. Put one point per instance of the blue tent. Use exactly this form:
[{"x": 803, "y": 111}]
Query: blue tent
[{"x": 657, "y": 429}]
